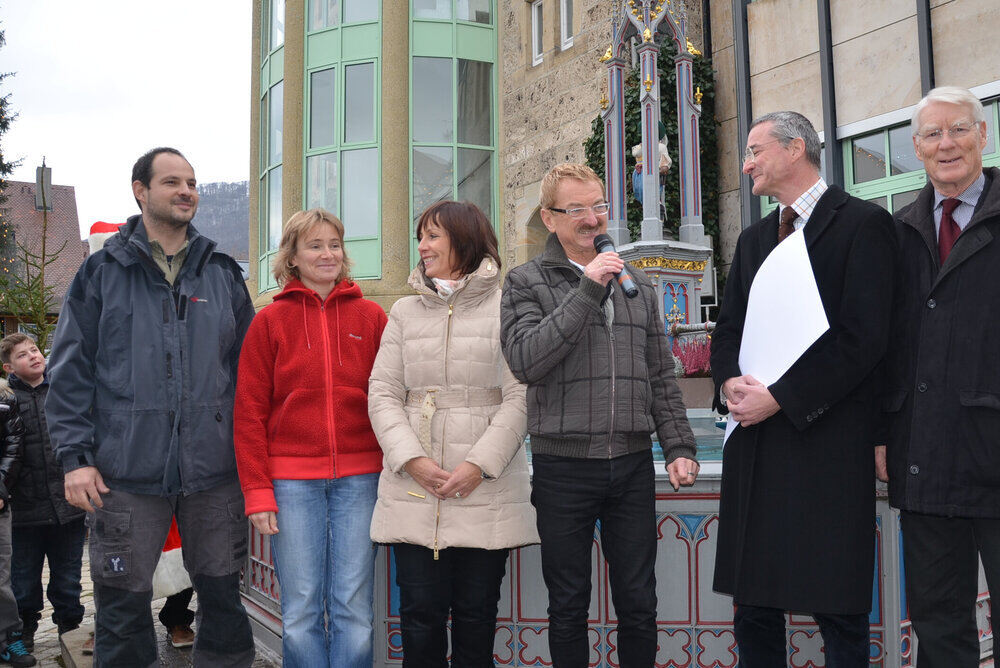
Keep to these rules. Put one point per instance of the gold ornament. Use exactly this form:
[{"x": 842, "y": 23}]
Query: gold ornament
[
  {"x": 693, "y": 51},
  {"x": 669, "y": 264},
  {"x": 697, "y": 95},
  {"x": 607, "y": 54},
  {"x": 647, "y": 36},
  {"x": 649, "y": 83}
]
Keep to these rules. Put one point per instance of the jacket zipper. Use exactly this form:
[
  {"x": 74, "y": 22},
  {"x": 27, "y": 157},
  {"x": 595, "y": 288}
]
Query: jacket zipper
[
  {"x": 447, "y": 340},
  {"x": 328, "y": 382},
  {"x": 611, "y": 358}
]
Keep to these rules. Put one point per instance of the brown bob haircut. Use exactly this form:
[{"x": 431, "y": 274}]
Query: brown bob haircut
[
  {"x": 298, "y": 225},
  {"x": 470, "y": 233}
]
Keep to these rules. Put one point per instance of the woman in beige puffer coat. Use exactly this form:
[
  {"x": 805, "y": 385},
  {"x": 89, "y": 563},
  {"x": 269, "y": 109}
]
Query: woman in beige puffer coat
[{"x": 453, "y": 496}]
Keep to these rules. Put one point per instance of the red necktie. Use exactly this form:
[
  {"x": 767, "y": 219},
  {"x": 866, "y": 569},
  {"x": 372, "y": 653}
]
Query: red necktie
[
  {"x": 786, "y": 226},
  {"x": 949, "y": 230}
]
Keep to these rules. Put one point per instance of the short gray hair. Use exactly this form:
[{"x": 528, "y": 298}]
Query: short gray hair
[
  {"x": 789, "y": 125},
  {"x": 948, "y": 95}
]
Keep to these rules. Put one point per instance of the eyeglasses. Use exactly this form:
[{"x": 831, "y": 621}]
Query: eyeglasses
[
  {"x": 598, "y": 209},
  {"x": 956, "y": 132},
  {"x": 752, "y": 152}
]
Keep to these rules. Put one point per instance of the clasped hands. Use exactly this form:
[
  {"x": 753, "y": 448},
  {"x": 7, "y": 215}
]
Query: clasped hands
[
  {"x": 749, "y": 401},
  {"x": 440, "y": 483}
]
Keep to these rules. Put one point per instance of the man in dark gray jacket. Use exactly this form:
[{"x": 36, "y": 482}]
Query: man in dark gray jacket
[
  {"x": 942, "y": 402},
  {"x": 140, "y": 408},
  {"x": 600, "y": 381}
]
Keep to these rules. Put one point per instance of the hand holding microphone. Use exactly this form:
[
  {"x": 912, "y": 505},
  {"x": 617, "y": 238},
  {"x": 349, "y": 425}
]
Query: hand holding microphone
[{"x": 607, "y": 262}]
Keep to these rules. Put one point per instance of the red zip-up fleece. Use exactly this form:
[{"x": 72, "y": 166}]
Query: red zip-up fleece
[{"x": 302, "y": 391}]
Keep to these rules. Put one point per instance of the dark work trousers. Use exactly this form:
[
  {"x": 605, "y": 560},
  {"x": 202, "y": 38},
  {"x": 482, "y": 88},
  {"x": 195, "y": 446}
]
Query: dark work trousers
[
  {"x": 942, "y": 583},
  {"x": 466, "y": 582},
  {"x": 126, "y": 540},
  {"x": 175, "y": 610},
  {"x": 62, "y": 545},
  {"x": 760, "y": 635},
  {"x": 570, "y": 496}
]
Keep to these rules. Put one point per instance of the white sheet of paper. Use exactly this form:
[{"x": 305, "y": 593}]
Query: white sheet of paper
[{"x": 784, "y": 314}]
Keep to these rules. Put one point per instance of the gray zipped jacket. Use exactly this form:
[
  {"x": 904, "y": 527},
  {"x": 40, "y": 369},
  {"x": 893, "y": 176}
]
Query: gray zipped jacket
[
  {"x": 142, "y": 373},
  {"x": 595, "y": 389}
]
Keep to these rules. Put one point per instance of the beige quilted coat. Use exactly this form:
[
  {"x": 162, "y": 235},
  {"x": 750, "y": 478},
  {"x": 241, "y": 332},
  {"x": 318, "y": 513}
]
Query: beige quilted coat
[{"x": 449, "y": 348}]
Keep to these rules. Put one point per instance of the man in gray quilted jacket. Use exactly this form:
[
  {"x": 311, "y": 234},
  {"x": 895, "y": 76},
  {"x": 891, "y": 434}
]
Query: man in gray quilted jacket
[{"x": 600, "y": 381}]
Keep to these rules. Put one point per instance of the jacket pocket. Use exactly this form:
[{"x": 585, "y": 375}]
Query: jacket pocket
[
  {"x": 893, "y": 401},
  {"x": 978, "y": 460}
]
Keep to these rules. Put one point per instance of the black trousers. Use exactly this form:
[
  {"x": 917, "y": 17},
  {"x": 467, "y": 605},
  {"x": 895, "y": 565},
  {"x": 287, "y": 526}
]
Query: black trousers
[
  {"x": 570, "y": 496},
  {"x": 462, "y": 581},
  {"x": 942, "y": 583},
  {"x": 175, "y": 611},
  {"x": 760, "y": 635}
]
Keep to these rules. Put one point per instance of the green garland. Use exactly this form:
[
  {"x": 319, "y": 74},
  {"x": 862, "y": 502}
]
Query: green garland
[{"x": 701, "y": 68}]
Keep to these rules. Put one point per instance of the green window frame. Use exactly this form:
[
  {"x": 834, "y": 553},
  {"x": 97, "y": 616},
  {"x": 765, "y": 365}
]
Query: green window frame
[
  {"x": 342, "y": 157},
  {"x": 894, "y": 183},
  {"x": 270, "y": 154},
  {"x": 453, "y": 146}
]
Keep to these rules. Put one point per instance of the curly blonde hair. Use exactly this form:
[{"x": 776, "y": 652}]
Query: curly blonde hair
[{"x": 298, "y": 225}]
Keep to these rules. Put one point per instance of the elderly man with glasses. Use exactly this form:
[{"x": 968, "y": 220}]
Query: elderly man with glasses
[
  {"x": 797, "y": 509},
  {"x": 600, "y": 380},
  {"x": 942, "y": 402}
]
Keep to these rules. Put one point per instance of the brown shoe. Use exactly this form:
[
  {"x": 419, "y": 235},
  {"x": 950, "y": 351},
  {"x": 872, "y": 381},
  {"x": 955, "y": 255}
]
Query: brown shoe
[
  {"x": 88, "y": 645},
  {"x": 181, "y": 636}
]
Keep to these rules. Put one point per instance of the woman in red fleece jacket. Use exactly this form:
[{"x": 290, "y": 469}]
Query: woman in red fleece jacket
[{"x": 307, "y": 457}]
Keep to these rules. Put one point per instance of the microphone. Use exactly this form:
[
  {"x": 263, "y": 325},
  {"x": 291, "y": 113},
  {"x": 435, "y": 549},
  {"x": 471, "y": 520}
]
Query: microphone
[{"x": 604, "y": 244}]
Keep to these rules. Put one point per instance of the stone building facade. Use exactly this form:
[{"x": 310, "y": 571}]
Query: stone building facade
[
  {"x": 349, "y": 97},
  {"x": 855, "y": 69}
]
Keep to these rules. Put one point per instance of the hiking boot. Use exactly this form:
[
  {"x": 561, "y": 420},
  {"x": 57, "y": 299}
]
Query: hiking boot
[
  {"x": 88, "y": 645},
  {"x": 180, "y": 636},
  {"x": 26, "y": 637},
  {"x": 14, "y": 653}
]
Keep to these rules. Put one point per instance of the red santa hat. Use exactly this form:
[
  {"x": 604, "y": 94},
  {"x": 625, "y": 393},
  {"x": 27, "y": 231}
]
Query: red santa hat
[{"x": 100, "y": 232}]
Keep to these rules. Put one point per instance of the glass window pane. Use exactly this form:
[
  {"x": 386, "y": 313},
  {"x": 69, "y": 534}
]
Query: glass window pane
[
  {"x": 321, "y": 108},
  {"x": 869, "y": 157},
  {"x": 262, "y": 149},
  {"x": 432, "y": 176},
  {"x": 323, "y": 13},
  {"x": 360, "y": 10},
  {"x": 566, "y": 14},
  {"x": 359, "y": 102},
  {"x": 899, "y": 200},
  {"x": 323, "y": 181},
  {"x": 277, "y": 23},
  {"x": 274, "y": 208},
  {"x": 360, "y": 194},
  {"x": 475, "y": 183},
  {"x": 432, "y": 9},
  {"x": 274, "y": 121},
  {"x": 903, "y": 158},
  {"x": 536, "y": 32},
  {"x": 880, "y": 201},
  {"x": 475, "y": 10},
  {"x": 432, "y": 100},
  {"x": 475, "y": 102},
  {"x": 991, "y": 130}
]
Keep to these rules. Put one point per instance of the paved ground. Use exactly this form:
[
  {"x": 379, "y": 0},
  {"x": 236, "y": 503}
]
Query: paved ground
[{"x": 49, "y": 653}]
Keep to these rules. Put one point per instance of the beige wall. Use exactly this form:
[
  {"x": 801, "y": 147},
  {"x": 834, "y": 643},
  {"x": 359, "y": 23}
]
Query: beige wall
[
  {"x": 876, "y": 66},
  {"x": 546, "y": 110}
]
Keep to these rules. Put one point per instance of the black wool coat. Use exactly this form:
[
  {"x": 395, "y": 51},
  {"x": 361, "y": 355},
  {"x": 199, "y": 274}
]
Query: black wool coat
[
  {"x": 943, "y": 398},
  {"x": 797, "y": 511}
]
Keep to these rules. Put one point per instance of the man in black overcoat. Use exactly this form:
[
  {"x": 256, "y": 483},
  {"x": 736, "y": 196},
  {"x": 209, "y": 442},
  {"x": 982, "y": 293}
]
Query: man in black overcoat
[
  {"x": 943, "y": 397},
  {"x": 797, "y": 512}
]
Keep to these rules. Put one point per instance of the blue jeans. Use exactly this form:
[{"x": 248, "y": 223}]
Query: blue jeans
[
  {"x": 325, "y": 562},
  {"x": 62, "y": 545},
  {"x": 570, "y": 496}
]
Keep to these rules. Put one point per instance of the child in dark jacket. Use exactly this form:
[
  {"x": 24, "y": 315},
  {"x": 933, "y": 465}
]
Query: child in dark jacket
[
  {"x": 12, "y": 649},
  {"x": 45, "y": 525}
]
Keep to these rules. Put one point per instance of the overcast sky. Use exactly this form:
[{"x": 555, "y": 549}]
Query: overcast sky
[{"x": 99, "y": 83}]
